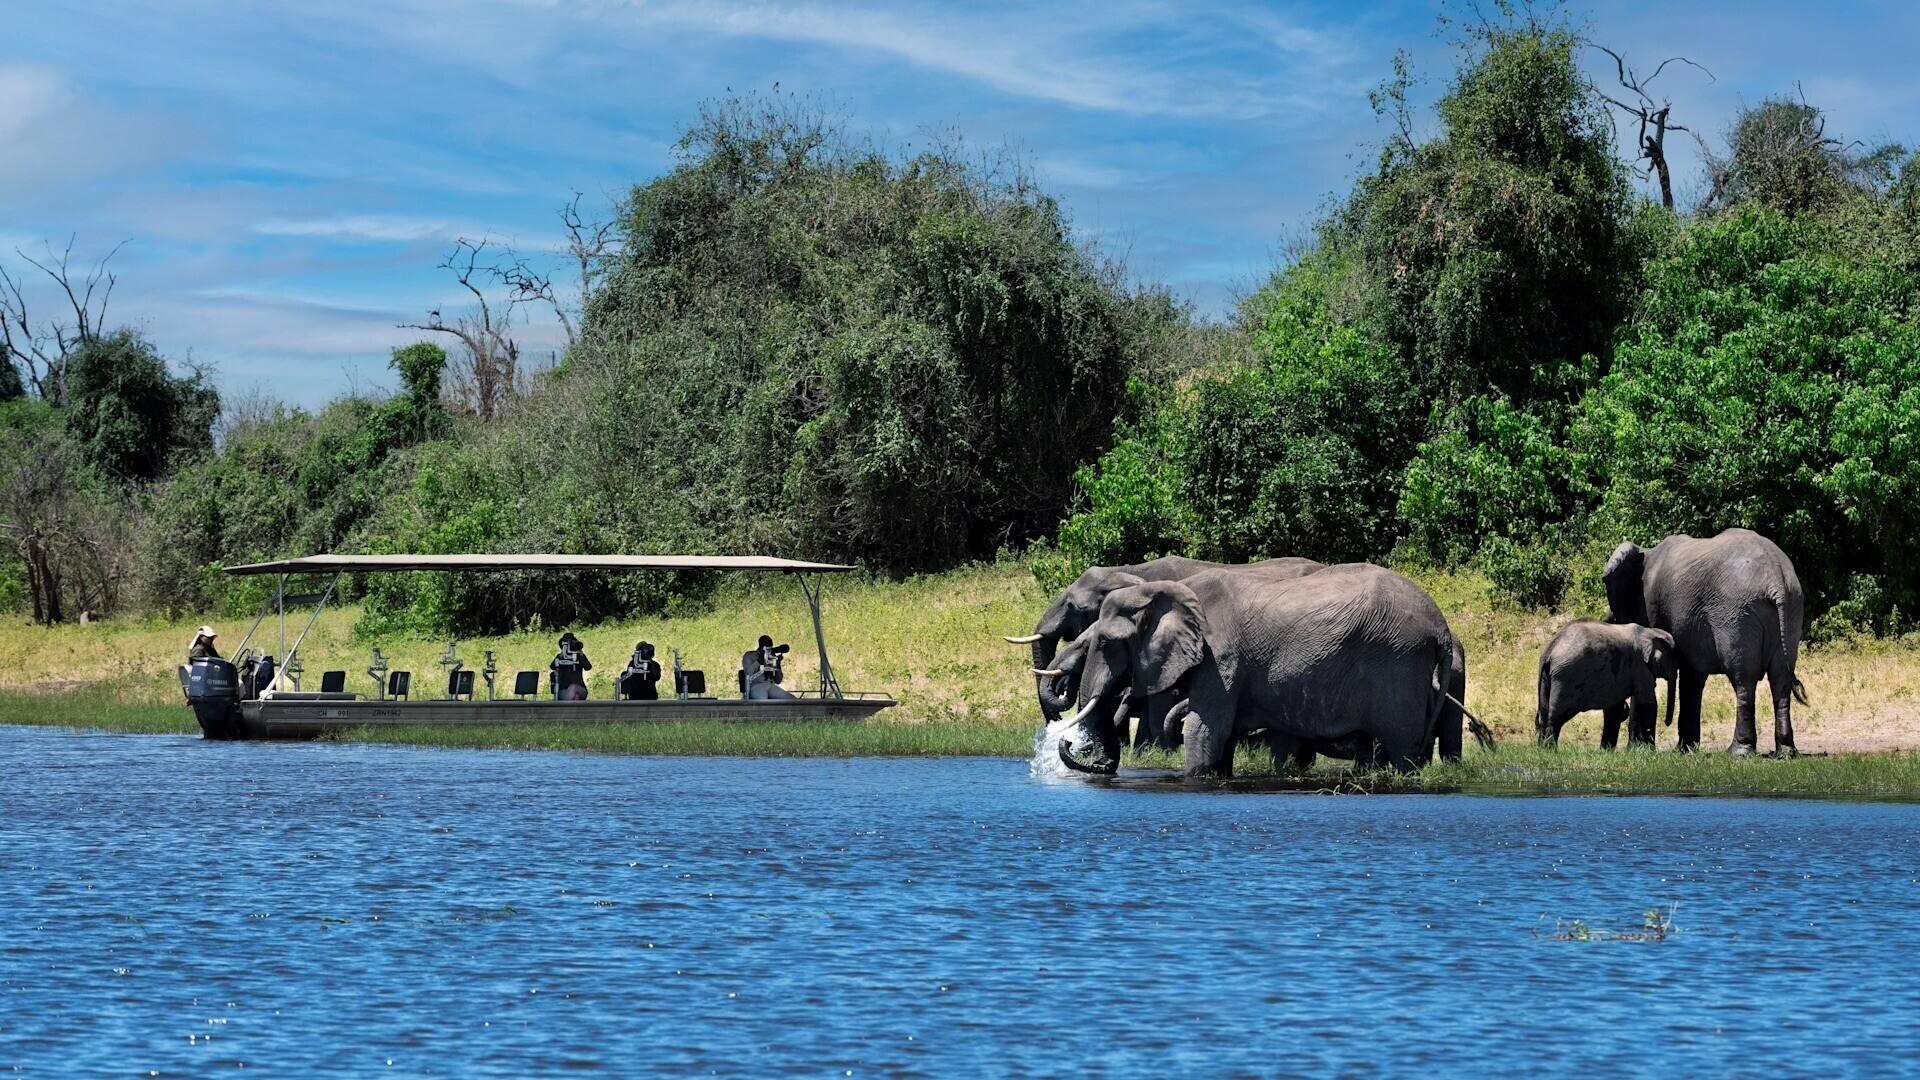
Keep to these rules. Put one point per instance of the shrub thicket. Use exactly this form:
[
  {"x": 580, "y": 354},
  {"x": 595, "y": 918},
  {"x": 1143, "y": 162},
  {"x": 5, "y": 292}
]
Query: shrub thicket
[{"x": 1495, "y": 356}]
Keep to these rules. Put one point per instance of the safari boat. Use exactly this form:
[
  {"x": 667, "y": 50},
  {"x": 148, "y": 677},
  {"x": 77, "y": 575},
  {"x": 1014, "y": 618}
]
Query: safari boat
[{"x": 229, "y": 705}]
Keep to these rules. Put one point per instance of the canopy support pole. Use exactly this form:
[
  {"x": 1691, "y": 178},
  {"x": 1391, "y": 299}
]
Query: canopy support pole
[
  {"x": 265, "y": 606},
  {"x": 280, "y": 601},
  {"x": 287, "y": 661},
  {"x": 829, "y": 686}
]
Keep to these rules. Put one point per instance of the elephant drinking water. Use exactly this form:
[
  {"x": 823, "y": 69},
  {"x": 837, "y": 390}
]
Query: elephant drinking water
[
  {"x": 1056, "y": 673},
  {"x": 1353, "y": 651}
]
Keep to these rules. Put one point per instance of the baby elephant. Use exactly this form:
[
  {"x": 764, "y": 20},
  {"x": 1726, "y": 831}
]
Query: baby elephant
[{"x": 1595, "y": 665}]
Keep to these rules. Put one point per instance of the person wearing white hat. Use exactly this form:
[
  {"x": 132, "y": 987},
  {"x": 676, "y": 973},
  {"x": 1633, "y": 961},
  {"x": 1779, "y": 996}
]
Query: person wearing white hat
[{"x": 202, "y": 647}]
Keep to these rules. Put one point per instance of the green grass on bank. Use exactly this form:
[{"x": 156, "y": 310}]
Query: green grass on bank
[
  {"x": 97, "y": 712},
  {"x": 1568, "y": 771},
  {"x": 1524, "y": 769},
  {"x": 823, "y": 739}
]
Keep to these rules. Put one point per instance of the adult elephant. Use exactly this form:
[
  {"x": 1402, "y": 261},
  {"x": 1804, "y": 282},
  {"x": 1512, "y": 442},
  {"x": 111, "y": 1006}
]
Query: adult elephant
[
  {"x": 1056, "y": 684},
  {"x": 1349, "y": 652},
  {"x": 1734, "y": 607},
  {"x": 1164, "y": 717}
]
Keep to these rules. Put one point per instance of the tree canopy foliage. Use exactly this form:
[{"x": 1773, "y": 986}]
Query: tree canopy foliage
[
  {"x": 1496, "y": 354},
  {"x": 1492, "y": 352}
]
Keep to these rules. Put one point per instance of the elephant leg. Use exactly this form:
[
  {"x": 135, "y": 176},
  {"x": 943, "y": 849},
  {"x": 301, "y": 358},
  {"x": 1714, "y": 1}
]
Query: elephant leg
[
  {"x": 1153, "y": 721},
  {"x": 1112, "y": 735},
  {"x": 1404, "y": 754},
  {"x": 1450, "y": 737},
  {"x": 1746, "y": 739},
  {"x": 1781, "y": 686},
  {"x": 1209, "y": 742},
  {"x": 1692, "y": 685},
  {"x": 1641, "y": 721},
  {"x": 1610, "y": 720}
]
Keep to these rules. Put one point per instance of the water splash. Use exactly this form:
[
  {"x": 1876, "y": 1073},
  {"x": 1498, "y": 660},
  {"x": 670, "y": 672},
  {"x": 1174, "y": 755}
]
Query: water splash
[{"x": 1046, "y": 754}]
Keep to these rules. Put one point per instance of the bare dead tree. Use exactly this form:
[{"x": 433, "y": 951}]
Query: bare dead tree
[
  {"x": 488, "y": 374},
  {"x": 588, "y": 244},
  {"x": 1655, "y": 116},
  {"x": 43, "y": 350}
]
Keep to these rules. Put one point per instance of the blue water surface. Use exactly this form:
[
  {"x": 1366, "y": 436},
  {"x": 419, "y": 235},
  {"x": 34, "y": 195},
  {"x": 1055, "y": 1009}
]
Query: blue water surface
[{"x": 179, "y": 907}]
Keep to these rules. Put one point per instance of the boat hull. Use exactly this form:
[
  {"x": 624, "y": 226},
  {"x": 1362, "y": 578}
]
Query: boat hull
[{"x": 306, "y": 718}]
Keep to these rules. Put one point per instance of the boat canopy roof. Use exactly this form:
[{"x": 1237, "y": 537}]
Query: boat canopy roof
[{"x": 390, "y": 563}]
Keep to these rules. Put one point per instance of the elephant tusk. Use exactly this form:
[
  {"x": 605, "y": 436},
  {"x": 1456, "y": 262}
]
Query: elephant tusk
[
  {"x": 1049, "y": 672},
  {"x": 1071, "y": 718},
  {"x": 1028, "y": 640}
]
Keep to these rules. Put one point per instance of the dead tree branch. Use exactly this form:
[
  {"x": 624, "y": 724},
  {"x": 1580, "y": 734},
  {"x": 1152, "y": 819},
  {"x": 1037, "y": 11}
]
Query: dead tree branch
[
  {"x": 1653, "y": 114},
  {"x": 43, "y": 350}
]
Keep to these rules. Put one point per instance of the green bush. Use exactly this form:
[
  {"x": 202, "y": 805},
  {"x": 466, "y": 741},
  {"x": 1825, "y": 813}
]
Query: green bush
[
  {"x": 1769, "y": 381},
  {"x": 1493, "y": 471},
  {"x": 813, "y": 348}
]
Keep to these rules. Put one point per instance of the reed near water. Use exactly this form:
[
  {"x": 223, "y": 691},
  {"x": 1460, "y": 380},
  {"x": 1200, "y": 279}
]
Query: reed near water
[{"x": 934, "y": 642}]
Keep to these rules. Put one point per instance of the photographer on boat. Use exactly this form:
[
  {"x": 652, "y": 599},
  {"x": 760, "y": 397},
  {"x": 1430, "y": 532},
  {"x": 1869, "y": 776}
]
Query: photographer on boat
[
  {"x": 202, "y": 647},
  {"x": 641, "y": 679},
  {"x": 570, "y": 669},
  {"x": 760, "y": 671}
]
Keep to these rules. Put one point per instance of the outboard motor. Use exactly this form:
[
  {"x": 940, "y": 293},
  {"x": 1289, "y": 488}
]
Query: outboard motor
[{"x": 213, "y": 689}]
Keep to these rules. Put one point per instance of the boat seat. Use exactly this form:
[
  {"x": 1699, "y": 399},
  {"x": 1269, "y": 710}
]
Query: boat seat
[
  {"x": 333, "y": 682},
  {"x": 690, "y": 682},
  {"x": 400, "y": 684},
  {"x": 526, "y": 684},
  {"x": 460, "y": 684}
]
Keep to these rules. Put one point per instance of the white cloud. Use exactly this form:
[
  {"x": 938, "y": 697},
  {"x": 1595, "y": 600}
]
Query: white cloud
[
  {"x": 367, "y": 227},
  {"x": 52, "y": 136}
]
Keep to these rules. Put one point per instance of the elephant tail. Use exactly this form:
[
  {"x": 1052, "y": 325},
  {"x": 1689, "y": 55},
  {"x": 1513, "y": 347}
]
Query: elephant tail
[
  {"x": 1800, "y": 691},
  {"x": 1540, "y": 699},
  {"x": 1442, "y": 680}
]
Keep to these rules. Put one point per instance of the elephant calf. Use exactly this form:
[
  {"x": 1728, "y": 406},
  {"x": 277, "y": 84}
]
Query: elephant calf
[{"x": 1595, "y": 665}]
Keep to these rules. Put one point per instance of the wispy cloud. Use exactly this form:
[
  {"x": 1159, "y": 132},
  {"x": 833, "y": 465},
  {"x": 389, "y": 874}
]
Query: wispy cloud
[
  {"x": 1058, "y": 58},
  {"x": 51, "y": 134},
  {"x": 368, "y": 227}
]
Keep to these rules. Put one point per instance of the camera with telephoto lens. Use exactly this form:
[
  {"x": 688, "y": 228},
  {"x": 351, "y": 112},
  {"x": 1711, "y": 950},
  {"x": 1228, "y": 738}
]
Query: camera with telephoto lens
[
  {"x": 771, "y": 658},
  {"x": 570, "y": 653}
]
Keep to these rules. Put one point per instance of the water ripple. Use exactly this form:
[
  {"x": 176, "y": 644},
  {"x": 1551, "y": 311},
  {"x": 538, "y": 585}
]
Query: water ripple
[{"x": 184, "y": 907}]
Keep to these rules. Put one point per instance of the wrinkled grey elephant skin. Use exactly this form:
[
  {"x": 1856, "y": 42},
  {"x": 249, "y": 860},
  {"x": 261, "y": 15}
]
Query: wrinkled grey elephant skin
[
  {"x": 1350, "y": 652},
  {"x": 1734, "y": 607},
  {"x": 1612, "y": 667},
  {"x": 1079, "y": 605}
]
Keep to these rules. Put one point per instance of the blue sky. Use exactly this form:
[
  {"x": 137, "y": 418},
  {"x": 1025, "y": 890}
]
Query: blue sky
[{"x": 287, "y": 175}]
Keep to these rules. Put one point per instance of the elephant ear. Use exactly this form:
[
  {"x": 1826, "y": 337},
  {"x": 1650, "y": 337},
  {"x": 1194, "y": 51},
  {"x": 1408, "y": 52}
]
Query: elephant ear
[
  {"x": 1657, "y": 651},
  {"x": 1171, "y": 635}
]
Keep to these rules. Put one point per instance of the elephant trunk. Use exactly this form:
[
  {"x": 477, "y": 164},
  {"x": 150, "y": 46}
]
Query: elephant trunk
[
  {"x": 1673, "y": 684},
  {"x": 1097, "y": 768},
  {"x": 1052, "y": 703}
]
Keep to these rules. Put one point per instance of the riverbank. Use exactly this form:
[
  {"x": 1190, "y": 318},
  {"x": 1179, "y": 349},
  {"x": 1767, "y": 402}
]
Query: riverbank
[
  {"x": 1513, "y": 769},
  {"x": 934, "y": 643}
]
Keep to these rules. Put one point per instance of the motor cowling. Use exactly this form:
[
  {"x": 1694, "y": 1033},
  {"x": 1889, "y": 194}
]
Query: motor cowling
[{"x": 213, "y": 689}]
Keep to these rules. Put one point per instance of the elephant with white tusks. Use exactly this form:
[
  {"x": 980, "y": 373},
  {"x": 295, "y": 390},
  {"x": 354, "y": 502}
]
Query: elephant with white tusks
[
  {"x": 1612, "y": 667},
  {"x": 1056, "y": 676},
  {"x": 1734, "y": 607},
  {"x": 1351, "y": 652}
]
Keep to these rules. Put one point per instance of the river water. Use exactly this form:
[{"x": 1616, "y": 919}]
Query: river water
[{"x": 178, "y": 907}]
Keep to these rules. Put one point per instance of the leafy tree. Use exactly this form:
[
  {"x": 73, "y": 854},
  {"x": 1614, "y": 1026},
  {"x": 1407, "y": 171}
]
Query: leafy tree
[
  {"x": 131, "y": 416},
  {"x": 810, "y": 346},
  {"x": 1780, "y": 156},
  {"x": 1768, "y": 381},
  {"x": 1498, "y": 253}
]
